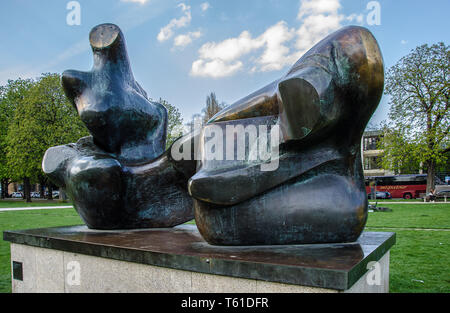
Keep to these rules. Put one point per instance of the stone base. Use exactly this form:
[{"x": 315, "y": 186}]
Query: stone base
[{"x": 75, "y": 259}]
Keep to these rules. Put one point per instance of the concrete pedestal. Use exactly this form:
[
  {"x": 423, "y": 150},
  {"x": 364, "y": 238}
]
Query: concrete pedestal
[{"x": 76, "y": 259}]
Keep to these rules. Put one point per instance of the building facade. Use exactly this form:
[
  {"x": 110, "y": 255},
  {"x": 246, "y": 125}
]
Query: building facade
[{"x": 371, "y": 154}]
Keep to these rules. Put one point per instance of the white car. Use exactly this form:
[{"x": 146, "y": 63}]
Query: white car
[
  {"x": 35, "y": 194},
  {"x": 16, "y": 195}
]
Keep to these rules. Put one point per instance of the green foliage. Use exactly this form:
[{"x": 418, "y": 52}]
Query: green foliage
[
  {"x": 212, "y": 107},
  {"x": 175, "y": 123},
  {"x": 10, "y": 95},
  {"x": 400, "y": 155},
  {"x": 3, "y": 131},
  {"x": 39, "y": 117},
  {"x": 419, "y": 117}
]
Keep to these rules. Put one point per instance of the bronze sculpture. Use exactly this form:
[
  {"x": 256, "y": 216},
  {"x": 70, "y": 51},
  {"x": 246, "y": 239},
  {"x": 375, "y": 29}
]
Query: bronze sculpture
[
  {"x": 120, "y": 177},
  {"x": 317, "y": 194}
]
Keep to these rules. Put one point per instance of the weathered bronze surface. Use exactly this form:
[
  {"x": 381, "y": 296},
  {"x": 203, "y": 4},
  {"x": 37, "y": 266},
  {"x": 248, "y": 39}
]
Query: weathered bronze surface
[
  {"x": 336, "y": 266},
  {"x": 317, "y": 194},
  {"x": 120, "y": 177}
]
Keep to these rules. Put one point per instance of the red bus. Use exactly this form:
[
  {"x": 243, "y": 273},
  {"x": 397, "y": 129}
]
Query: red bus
[{"x": 401, "y": 186}]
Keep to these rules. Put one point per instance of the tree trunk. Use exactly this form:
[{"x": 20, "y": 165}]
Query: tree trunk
[
  {"x": 50, "y": 192},
  {"x": 27, "y": 189},
  {"x": 62, "y": 195},
  {"x": 42, "y": 191},
  {"x": 4, "y": 193},
  {"x": 41, "y": 187},
  {"x": 431, "y": 171},
  {"x": 7, "y": 183}
]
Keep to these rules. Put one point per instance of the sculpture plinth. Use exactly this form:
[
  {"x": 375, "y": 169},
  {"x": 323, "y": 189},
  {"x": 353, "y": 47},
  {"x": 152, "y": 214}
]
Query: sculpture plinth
[{"x": 142, "y": 261}]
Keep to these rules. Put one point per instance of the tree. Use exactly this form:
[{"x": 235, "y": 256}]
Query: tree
[
  {"x": 43, "y": 118},
  {"x": 212, "y": 107},
  {"x": 398, "y": 152},
  {"x": 175, "y": 123},
  {"x": 10, "y": 95},
  {"x": 419, "y": 117},
  {"x": 3, "y": 129}
]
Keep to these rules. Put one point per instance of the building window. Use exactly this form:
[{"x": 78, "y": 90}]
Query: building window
[
  {"x": 372, "y": 163},
  {"x": 371, "y": 143}
]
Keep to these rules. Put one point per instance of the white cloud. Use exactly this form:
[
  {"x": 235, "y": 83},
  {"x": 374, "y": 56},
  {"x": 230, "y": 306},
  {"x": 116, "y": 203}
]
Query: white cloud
[
  {"x": 205, "y": 6},
  {"x": 277, "y": 47},
  {"x": 320, "y": 18},
  {"x": 314, "y": 29},
  {"x": 167, "y": 31},
  {"x": 276, "y": 54},
  {"x": 185, "y": 39},
  {"x": 315, "y": 7},
  {"x": 220, "y": 59},
  {"x": 136, "y": 1},
  {"x": 223, "y": 56},
  {"x": 215, "y": 68},
  {"x": 404, "y": 42},
  {"x": 230, "y": 49}
]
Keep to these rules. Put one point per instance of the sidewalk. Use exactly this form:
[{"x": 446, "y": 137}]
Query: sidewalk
[
  {"x": 36, "y": 208},
  {"x": 415, "y": 202}
]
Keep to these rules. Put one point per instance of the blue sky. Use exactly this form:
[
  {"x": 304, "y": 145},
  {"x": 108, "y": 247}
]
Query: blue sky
[{"x": 182, "y": 50}]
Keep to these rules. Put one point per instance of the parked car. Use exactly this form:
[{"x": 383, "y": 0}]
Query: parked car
[
  {"x": 16, "y": 195},
  {"x": 55, "y": 194},
  {"x": 35, "y": 194},
  {"x": 381, "y": 195}
]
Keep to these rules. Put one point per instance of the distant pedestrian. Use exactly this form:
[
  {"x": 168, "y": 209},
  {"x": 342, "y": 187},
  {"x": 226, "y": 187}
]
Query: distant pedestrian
[{"x": 432, "y": 195}]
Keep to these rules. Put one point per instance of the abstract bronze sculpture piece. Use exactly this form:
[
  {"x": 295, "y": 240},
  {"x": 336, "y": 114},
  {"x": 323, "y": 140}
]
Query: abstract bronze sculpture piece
[
  {"x": 317, "y": 193},
  {"x": 120, "y": 177}
]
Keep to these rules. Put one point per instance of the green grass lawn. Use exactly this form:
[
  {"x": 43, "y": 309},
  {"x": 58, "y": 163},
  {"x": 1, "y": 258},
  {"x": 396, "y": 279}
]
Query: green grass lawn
[
  {"x": 412, "y": 216},
  {"x": 419, "y": 260}
]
